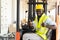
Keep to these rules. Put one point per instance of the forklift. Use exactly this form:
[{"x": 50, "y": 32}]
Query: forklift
[{"x": 31, "y": 17}]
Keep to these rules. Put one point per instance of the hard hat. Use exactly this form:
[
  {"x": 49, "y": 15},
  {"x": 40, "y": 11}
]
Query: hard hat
[{"x": 39, "y": 6}]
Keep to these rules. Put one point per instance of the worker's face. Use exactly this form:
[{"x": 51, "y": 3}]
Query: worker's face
[{"x": 39, "y": 12}]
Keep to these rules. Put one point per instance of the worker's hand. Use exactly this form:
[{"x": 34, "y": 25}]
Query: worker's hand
[
  {"x": 43, "y": 25},
  {"x": 30, "y": 23}
]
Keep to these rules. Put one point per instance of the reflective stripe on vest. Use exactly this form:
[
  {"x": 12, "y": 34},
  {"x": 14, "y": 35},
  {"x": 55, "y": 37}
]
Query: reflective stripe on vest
[{"x": 41, "y": 31}]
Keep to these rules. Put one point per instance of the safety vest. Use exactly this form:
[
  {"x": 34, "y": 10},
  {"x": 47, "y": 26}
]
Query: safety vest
[{"x": 41, "y": 31}]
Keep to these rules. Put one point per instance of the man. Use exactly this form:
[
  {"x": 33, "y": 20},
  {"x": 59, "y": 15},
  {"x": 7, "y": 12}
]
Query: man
[{"x": 42, "y": 22}]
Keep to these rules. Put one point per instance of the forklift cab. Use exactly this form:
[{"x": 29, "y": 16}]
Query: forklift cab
[{"x": 26, "y": 30}]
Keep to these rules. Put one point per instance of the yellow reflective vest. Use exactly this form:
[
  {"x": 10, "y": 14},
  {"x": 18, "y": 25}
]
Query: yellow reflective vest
[{"x": 41, "y": 31}]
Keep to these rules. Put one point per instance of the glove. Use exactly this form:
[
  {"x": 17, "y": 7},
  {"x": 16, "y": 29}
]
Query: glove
[{"x": 43, "y": 25}]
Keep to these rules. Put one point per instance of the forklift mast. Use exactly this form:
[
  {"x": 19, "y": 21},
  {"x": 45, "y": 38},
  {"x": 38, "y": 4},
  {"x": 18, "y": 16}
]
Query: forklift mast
[{"x": 31, "y": 9}]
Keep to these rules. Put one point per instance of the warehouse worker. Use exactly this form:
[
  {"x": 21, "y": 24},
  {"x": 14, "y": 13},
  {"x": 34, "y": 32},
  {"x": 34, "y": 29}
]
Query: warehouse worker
[{"x": 42, "y": 22}]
